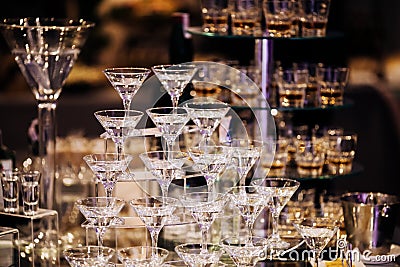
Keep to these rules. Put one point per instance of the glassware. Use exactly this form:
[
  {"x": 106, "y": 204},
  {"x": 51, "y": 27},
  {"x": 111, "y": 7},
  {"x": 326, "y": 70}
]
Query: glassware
[
  {"x": 317, "y": 232},
  {"x": 278, "y": 191},
  {"x": 45, "y": 50},
  {"x": 107, "y": 167},
  {"x": 165, "y": 166},
  {"x": 101, "y": 213},
  {"x": 205, "y": 207},
  {"x": 145, "y": 256},
  {"x": 126, "y": 81},
  {"x": 174, "y": 78},
  {"x": 155, "y": 212},
  {"x": 196, "y": 255},
  {"x": 88, "y": 256}
]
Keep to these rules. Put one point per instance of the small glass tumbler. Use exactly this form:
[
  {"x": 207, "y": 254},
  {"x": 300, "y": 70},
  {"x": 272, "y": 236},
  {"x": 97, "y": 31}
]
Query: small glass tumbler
[
  {"x": 10, "y": 186},
  {"x": 315, "y": 17},
  {"x": 30, "y": 189},
  {"x": 310, "y": 158},
  {"x": 331, "y": 82},
  {"x": 279, "y": 17},
  {"x": 278, "y": 166},
  {"x": 215, "y": 15},
  {"x": 292, "y": 86},
  {"x": 341, "y": 152},
  {"x": 246, "y": 17}
]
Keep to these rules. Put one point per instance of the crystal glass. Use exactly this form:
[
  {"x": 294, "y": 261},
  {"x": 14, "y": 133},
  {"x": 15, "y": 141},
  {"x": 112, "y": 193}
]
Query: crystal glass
[
  {"x": 45, "y": 50},
  {"x": 101, "y": 213},
  {"x": 278, "y": 191},
  {"x": 142, "y": 256},
  {"x": 174, "y": 78},
  {"x": 195, "y": 255},
  {"x": 126, "y": 81},
  {"x": 210, "y": 161},
  {"x": 169, "y": 121},
  {"x": 165, "y": 166},
  {"x": 119, "y": 124},
  {"x": 107, "y": 167},
  {"x": 207, "y": 114},
  {"x": 243, "y": 253},
  {"x": 155, "y": 212},
  {"x": 205, "y": 207},
  {"x": 88, "y": 256},
  {"x": 317, "y": 232}
]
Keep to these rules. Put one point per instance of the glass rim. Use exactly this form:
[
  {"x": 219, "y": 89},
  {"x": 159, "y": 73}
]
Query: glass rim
[
  {"x": 143, "y": 247},
  {"x": 150, "y": 110},
  {"x": 61, "y": 23},
  {"x": 121, "y": 70},
  {"x": 125, "y": 112}
]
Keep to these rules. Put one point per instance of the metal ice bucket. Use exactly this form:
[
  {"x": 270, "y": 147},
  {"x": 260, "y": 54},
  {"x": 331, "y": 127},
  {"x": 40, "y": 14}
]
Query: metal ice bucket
[{"x": 370, "y": 220}]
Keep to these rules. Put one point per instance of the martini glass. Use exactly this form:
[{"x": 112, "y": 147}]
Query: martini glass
[
  {"x": 107, "y": 168},
  {"x": 126, "y": 81},
  {"x": 195, "y": 255},
  {"x": 207, "y": 114},
  {"x": 163, "y": 168},
  {"x": 210, "y": 161},
  {"x": 278, "y": 191},
  {"x": 101, "y": 213},
  {"x": 205, "y": 207},
  {"x": 155, "y": 212},
  {"x": 317, "y": 232},
  {"x": 45, "y": 50},
  {"x": 88, "y": 256},
  {"x": 169, "y": 121},
  {"x": 174, "y": 79},
  {"x": 142, "y": 256}
]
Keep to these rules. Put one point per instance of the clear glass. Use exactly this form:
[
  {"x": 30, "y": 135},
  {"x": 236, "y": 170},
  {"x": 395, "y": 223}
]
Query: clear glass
[
  {"x": 245, "y": 253},
  {"x": 142, "y": 256},
  {"x": 45, "y": 50},
  {"x": 88, "y": 256},
  {"x": 195, "y": 255}
]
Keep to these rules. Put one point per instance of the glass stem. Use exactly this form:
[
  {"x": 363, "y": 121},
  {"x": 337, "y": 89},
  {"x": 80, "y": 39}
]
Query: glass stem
[
  {"x": 275, "y": 233},
  {"x": 47, "y": 152},
  {"x": 100, "y": 231},
  {"x": 154, "y": 237},
  {"x": 175, "y": 101},
  {"x": 204, "y": 238},
  {"x": 127, "y": 104}
]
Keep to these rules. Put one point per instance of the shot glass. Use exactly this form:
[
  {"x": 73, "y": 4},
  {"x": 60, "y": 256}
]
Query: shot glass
[
  {"x": 279, "y": 17},
  {"x": 215, "y": 16},
  {"x": 292, "y": 86},
  {"x": 30, "y": 189},
  {"x": 341, "y": 152},
  {"x": 246, "y": 17},
  {"x": 10, "y": 186},
  {"x": 310, "y": 157},
  {"x": 315, "y": 17},
  {"x": 332, "y": 82}
]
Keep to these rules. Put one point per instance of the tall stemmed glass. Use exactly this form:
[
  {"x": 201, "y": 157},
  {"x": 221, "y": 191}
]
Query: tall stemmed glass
[
  {"x": 278, "y": 191},
  {"x": 155, "y": 212},
  {"x": 100, "y": 212},
  {"x": 205, "y": 207},
  {"x": 174, "y": 78},
  {"x": 107, "y": 168},
  {"x": 45, "y": 50},
  {"x": 126, "y": 81},
  {"x": 163, "y": 168},
  {"x": 317, "y": 232}
]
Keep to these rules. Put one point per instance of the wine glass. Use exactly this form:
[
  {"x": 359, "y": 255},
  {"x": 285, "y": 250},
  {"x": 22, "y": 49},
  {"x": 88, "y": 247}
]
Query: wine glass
[
  {"x": 317, "y": 232},
  {"x": 165, "y": 166},
  {"x": 155, "y": 212},
  {"x": 195, "y": 255},
  {"x": 88, "y": 256},
  {"x": 245, "y": 253},
  {"x": 210, "y": 161},
  {"x": 126, "y": 81},
  {"x": 107, "y": 167},
  {"x": 142, "y": 256},
  {"x": 207, "y": 114},
  {"x": 278, "y": 191},
  {"x": 174, "y": 78},
  {"x": 204, "y": 207},
  {"x": 169, "y": 121},
  {"x": 45, "y": 50},
  {"x": 101, "y": 213}
]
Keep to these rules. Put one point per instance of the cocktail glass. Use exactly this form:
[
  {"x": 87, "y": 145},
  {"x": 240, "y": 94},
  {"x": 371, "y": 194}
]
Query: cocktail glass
[
  {"x": 317, "y": 232},
  {"x": 245, "y": 253},
  {"x": 278, "y": 191},
  {"x": 88, "y": 256},
  {"x": 205, "y": 207},
  {"x": 143, "y": 256},
  {"x": 169, "y": 121},
  {"x": 207, "y": 115},
  {"x": 195, "y": 255},
  {"x": 45, "y": 50},
  {"x": 155, "y": 212},
  {"x": 174, "y": 78},
  {"x": 107, "y": 167},
  {"x": 249, "y": 202},
  {"x": 210, "y": 161},
  {"x": 126, "y": 81},
  {"x": 165, "y": 166},
  {"x": 101, "y": 213}
]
